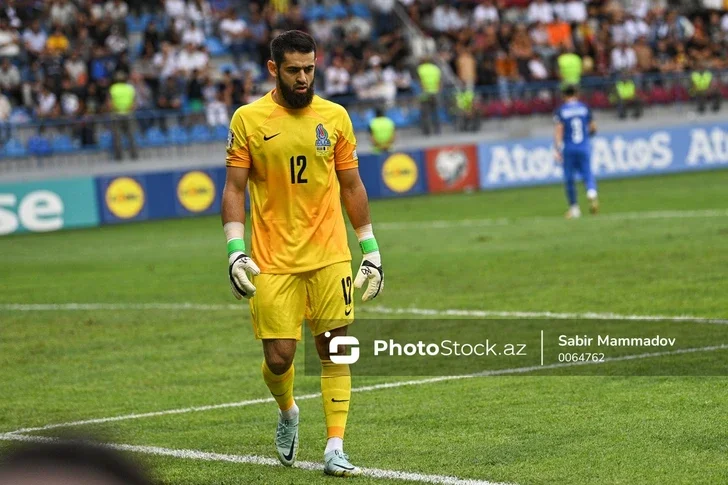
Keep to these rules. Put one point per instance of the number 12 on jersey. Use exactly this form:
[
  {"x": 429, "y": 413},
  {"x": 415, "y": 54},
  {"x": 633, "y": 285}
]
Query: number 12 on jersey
[{"x": 300, "y": 163}]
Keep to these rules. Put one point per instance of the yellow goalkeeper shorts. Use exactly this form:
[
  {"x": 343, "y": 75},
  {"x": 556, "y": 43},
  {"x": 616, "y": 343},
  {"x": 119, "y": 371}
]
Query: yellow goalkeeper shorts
[{"x": 324, "y": 297}]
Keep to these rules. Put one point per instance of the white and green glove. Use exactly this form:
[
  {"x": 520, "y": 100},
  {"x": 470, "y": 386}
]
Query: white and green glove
[
  {"x": 370, "y": 269},
  {"x": 239, "y": 263}
]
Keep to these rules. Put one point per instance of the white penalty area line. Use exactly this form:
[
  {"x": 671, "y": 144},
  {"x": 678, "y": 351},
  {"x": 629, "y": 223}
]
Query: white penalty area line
[
  {"x": 374, "y": 387},
  {"x": 259, "y": 460},
  {"x": 505, "y": 221},
  {"x": 374, "y": 309}
]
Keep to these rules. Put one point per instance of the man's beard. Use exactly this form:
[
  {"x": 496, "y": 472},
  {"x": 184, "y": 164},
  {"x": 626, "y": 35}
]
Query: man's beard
[{"x": 295, "y": 100}]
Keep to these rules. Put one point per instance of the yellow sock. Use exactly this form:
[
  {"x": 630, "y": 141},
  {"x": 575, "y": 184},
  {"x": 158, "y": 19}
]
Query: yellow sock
[
  {"x": 336, "y": 393},
  {"x": 281, "y": 386}
]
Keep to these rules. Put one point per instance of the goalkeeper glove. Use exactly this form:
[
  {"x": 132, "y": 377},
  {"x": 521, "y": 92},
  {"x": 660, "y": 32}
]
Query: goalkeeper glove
[
  {"x": 240, "y": 266},
  {"x": 240, "y": 263},
  {"x": 370, "y": 269}
]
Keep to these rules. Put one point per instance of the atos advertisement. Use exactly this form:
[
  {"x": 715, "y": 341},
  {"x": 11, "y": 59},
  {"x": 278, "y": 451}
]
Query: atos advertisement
[
  {"x": 48, "y": 205},
  {"x": 628, "y": 154}
]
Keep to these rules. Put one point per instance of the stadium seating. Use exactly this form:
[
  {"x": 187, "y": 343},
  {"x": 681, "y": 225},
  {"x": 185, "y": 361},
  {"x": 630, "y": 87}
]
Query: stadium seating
[
  {"x": 39, "y": 146},
  {"x": 63, "y": 144},
  {"x": 178, "y": 136},
  {"x": 14, "y": 149},
  {"x": 200, "y": 134}
]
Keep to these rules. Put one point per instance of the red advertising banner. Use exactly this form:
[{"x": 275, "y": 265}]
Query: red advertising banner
[{"x": 452, "y": 168}]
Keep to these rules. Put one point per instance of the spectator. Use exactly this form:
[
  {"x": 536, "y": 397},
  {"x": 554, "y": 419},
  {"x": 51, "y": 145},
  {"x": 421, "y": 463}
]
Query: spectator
[
  {"x": 199, "y": 12},
  {"x": 259, "y": 36},
  {"x": 508, "y": 77},
  {"x": 9, "y": 40},
  {"x": 430, "y": 79},
  {"x": 57, "y": 42},
  {"x": 193, "y": 35},
  {"x": 522, "y": 50},
  {"x": 466, "y": 66},
  {"x": 5, "y": 110},
  {"x": 627, "y": 96},
  {"x": 704, "y": 88},
  {"x": 446, "y": 18},
  {"x": 381, "y": 132},
  {"x": 234, "y": 34},
  {"x": 536, "y": 69},
  {"x": 559, "y": 33},
  {"x": 570, "y": 67},
  {"x": 116, "y": 11},
  {"x": 100, "y": 67},
  {"x": 170, "y": 96},
  {"x": 195, "y": 99},
  {"x": 84, "y": 44},
  {"x": 11, "y": 13},
  {"x": 485, "y": 13},
  {"x": 216, "y": 113},
  {"x": 576, "y": 11},
  {"x": 644, "y": 54},
  {"x": 623, "y": 58},
  {"x": 152, "y": 36},
  {"x": 34, "y": 40},
  {"x": 76, "y": 70},
  {"x": 116, "y": 42},
  {"x": 70, "y": 102},
  {"x": 10, "y": 80},
  {"x": 337, "y": 80},
  {"x": 63, "y": 13},
  {"x": 540, "y": 11},
  {"x": 360, "y": 24},
  {"x": 122, "y": 106},
  {"x": 166, "y": 61},
  {"x": 47, "y": 107},
  {"x": 191, "y": 59},
  {"x": 147, "y": 70},
  {"x": 176, "y": 9}
]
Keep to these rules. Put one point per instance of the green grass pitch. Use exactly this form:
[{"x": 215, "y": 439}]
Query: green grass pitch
[{"x": 659, "y": 247}]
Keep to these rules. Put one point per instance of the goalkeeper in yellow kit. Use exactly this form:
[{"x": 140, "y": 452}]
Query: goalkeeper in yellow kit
[{"x": 298, "y": 152}]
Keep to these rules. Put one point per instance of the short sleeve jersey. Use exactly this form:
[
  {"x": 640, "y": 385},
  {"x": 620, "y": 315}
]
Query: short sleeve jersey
[{"x": 293, "y": 157}]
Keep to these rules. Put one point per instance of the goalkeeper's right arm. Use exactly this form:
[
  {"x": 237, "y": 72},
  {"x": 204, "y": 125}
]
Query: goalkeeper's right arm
[{"x": 233, "y": 220}]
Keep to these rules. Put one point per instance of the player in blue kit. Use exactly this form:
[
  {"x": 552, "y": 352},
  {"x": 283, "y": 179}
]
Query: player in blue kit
[{"x": 574, "y": 128}]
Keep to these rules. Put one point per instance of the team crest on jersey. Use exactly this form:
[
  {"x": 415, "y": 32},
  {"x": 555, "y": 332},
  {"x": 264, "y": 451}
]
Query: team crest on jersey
[
  {"x": 323, "y": 144},
  {"x": 230, "y": 139}
]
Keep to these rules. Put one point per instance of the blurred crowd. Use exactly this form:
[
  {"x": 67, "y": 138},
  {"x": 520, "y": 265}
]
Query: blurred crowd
[
  {"x": 492, "y": 41},
  {"x": 60, "y": 57}
]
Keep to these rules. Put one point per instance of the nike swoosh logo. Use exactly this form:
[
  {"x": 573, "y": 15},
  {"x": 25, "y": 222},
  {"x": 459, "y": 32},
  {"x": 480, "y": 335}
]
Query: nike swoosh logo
[
  {"x": 348, "y": 312},
  {"x": 289, "y": 456},
  {"x": 266, "y": 138},
  {"x": 339, "y": 400},
  {"x": 344, "y": 467}
]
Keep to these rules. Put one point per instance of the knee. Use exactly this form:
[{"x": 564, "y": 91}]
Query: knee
[{"x": 279, "y": 363}]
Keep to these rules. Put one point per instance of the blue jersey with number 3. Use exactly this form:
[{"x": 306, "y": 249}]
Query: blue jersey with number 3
[{"x": 576, "y": 117}]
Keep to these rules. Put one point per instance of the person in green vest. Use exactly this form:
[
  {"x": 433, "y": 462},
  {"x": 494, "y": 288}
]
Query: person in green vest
[
  {"x": 121, "y": 106},
  {"x": 382, "y": 132},
  {"x": 570, "y": 66},
  {"x": 704, "y": 89},
  {"x": 468, "y": 118},
  {"x": 627, "y": 96},
  {"x": 431, "y": 81}
]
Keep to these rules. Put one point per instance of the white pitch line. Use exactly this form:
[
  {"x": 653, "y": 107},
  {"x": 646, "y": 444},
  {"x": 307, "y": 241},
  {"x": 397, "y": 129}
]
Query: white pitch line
[
  {"x": 374, "y": 387},
  {"x": 375, "y": 309},
  {"x": 260, "y": 460},
  {"x": 537, "y": 315},
  {"x": 504, "y": 221}
]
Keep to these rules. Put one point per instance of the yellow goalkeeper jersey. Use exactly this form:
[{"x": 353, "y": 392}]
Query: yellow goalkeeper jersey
[{"x": 293, "y": 156}]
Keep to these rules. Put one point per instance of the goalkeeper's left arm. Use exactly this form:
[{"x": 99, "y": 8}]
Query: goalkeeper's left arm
[{"x": 354, "y": 198}]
